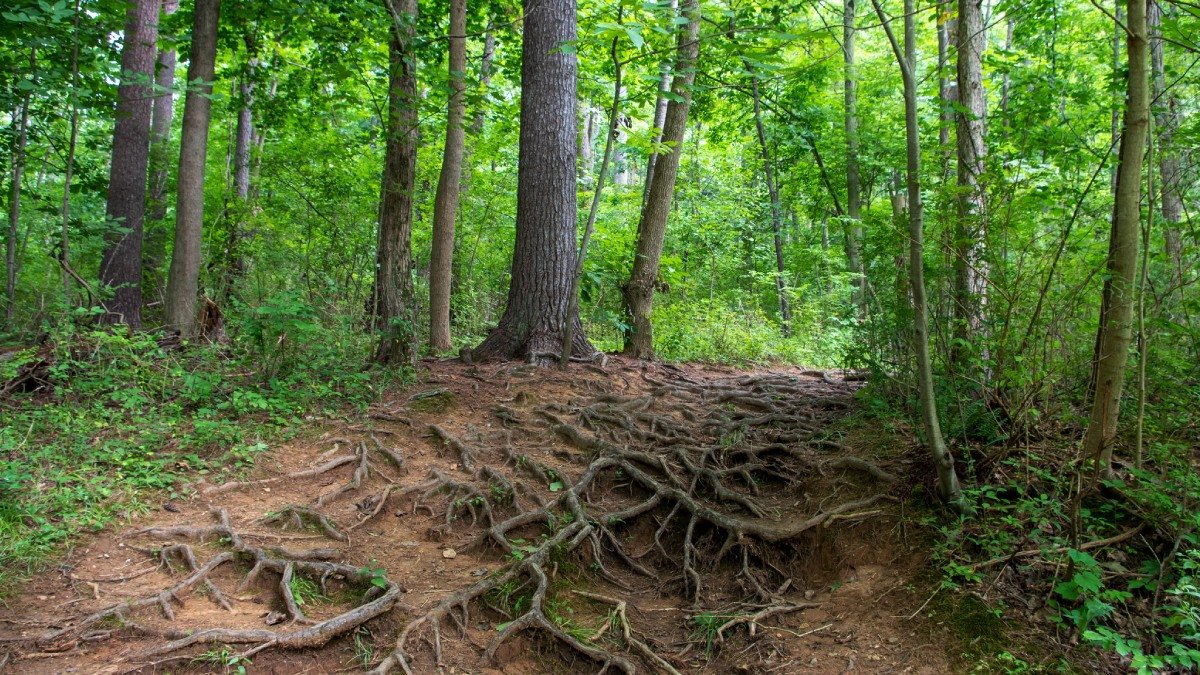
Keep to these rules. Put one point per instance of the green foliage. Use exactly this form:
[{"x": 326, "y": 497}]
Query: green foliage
[{"x": 127, "y": 423}]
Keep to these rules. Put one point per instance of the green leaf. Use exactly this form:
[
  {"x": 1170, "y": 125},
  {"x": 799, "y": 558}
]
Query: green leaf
[{"x": 556, "y": 486}]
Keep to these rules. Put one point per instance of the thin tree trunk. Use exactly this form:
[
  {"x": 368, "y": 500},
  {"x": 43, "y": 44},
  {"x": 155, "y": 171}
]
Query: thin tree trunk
[
  {"x": 485, "y": 75},
  {"x": 121, "y": 263},
  {"x": 660, "y": 115},
  {"x": 183, "y": 279},
  {"x": 544, "y": 256},
  {"x": 948, "y": 486},
  {"x": 20, "y": 140},
  {"x": 785, "y": 313},
  {"x": 445, "y": 205},
  {"x": 652, "y": 226},
  {"x": 854, "y": 231},
  {"x": 947, "y": 31},
  {"x": 613, "y": 115},
  {"x": 394, "y": 311},
  {"x": 243, "y": 143},
  {"x": 1006, "y": 80},
  {"x": 155, "y": 247},
  {"x": 64, "y": 251},
  {"x": 1116, "y": 327},
  {"x": 1166, "y": 121},
  {"x": 970, "y": 264}
]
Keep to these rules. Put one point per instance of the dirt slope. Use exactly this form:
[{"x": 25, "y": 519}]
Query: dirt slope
[{"x": 500, "y": 518}]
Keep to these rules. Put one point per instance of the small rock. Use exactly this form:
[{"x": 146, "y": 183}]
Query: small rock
[
  {"x": 810, "y": 594},
  {"x": 42, "y": 597},
  {"x": 410, "y": 544},
  {"x": 449, "y": 553},
  {"x": 266, "y": 489}
]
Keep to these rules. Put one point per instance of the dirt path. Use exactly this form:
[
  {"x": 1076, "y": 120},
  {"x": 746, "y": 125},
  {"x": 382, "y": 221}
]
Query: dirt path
[{"x": 500, "y": 518}]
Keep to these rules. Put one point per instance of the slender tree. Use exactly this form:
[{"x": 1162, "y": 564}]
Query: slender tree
[
  {"x": 183, "y": 279},
  {"x": 1116, "y": 323},
  {"x": 1166, "y": 123},
  {"x": 544, "y": 255},
  {"x": 485, "y": 74},
  {"x": 445, "y": 205},
  {"x": 854, "y": 231},
  {"x": 155, "y": 247},
  {"x": 393, "y": 302},
  {"x": 121, "y": 264},
  {"x": 660, "y": 114},
  {"x": 970, "y": 263},
  {"x": 652, "y": 226},
  {"x": 943, "y": 461},
  {"x": 785, "y": 312},
  {"x": 64, "y": 251},
  {"x": 16, "y": 177}
]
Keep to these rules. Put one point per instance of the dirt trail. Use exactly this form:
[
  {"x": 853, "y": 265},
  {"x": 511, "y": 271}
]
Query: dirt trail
[{"x": 501, "y": 518}]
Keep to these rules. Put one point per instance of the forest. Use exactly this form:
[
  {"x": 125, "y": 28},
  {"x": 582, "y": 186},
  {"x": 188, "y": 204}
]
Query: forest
[{"x": 662, "y": 336}]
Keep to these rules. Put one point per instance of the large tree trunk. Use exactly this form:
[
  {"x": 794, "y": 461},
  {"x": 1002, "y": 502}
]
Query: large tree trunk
[
  {"x": 155, "y": 247},
  {"x": 121, "y": 263},
  {"x": 183, "y": 280},
  {"x": 1116, "y": 326},
  {"x": 1166, "y": 121},
  {"x": 785, "y": 312},
  {"x": 854, "y": 231},
  {"x": 970, "y": 264},
  {"x": 445, "y": 204},
  {"x": 20, "y": 140},
  {"x": 544, "y": 255},
  {"x": 394, "y": 311},
  {"x": 948, "y": 486},
  {"x": 652, "y": 226}
]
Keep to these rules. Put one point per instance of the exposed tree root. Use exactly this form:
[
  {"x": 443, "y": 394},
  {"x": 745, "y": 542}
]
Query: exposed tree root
[{"x": 715, "y": 470}]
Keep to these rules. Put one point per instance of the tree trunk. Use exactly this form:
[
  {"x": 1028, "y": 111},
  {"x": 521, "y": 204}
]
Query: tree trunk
[
  {"x": 785, "y": 313},
  {"x": 485, "y": 75},
  {"x": 1116, "y": 326},
  {"x": 854, "y": 231},
  {"x": 614, "y": 113},
  {"x": 1166, "y": 121},
  {"x": 660, "y": 116},
  {"x": 19, "y": 141},
  {"x": 947, "y": 87},
  {"x": 544, "y": 256},
  {"x": 243, "y": 143},
  {"x": 64, "y": 251},
  {"x": 652, "y": 226},
  {"x": 155, "y": 248},
  {"x": 183, "y": 279},
  {"x": 948, "y": 487},
  {"x": 394, "y": 311},
  {"x": 445, "y": 205},
  {"x": 121, "y": 263},
  {"x": 970, "y": 264}
]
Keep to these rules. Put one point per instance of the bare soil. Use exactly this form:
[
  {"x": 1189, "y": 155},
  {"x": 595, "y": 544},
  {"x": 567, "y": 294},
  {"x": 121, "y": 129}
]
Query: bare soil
[{"x": 500, "y": 518}]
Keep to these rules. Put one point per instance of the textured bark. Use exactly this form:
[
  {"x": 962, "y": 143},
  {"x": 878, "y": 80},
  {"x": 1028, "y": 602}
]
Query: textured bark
[
  {"x": 155, "y": 248},
  {"x": 1116, "y": 326},
  {"x": 1166, "y": 122},
  {"x": 785, "y": 313},
  {"x": 948, "y": 486},
  {"x": 237, "y": 207},
  {"x": 393, "y": 312},
  {"x": 121, "y": 263},
  {"x": 445, "y": 205},
  {"x": 660, "y": 116},
  {"x": 183, "y": 279},
  {"x": 652, "y": 226},
  {"x": 20, "y": 140},
  {"x": 947, "y": 87},
  {"x": 854, "y": 231},
  {"x": 970, "y": 240},
  {"x": 544, "y": 255}
]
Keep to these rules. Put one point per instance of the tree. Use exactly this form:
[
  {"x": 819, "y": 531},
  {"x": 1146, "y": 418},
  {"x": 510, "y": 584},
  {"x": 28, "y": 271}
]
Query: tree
[
  {"x": 948, "y": 487},
  {"x": 160, "y": 145},
  {"x": 652, "y": 225},
  {"x": 970, "y": 264},
  {"x": 1166, "y": 122},
  {"x": 445, "y": 205},
  {"x": 854, "y": 231},
  {"x": 785, "y": 312},
  {"x": 183, "y": 280},
  {"x": 544, "y": 255},
  {"x": 121, "y": 264},
  {"x": 1117, "y": 302},
  {"x": 393, "y": 301},
  {"x": 17, "y": 159}
]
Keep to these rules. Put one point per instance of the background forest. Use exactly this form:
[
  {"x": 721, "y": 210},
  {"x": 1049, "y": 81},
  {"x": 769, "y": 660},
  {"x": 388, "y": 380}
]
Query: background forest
[{"x": 789, "y": 222}]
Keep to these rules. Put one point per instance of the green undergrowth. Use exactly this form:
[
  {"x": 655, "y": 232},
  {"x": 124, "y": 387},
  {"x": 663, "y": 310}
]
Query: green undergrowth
[{"x": 125, "y": 424}]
